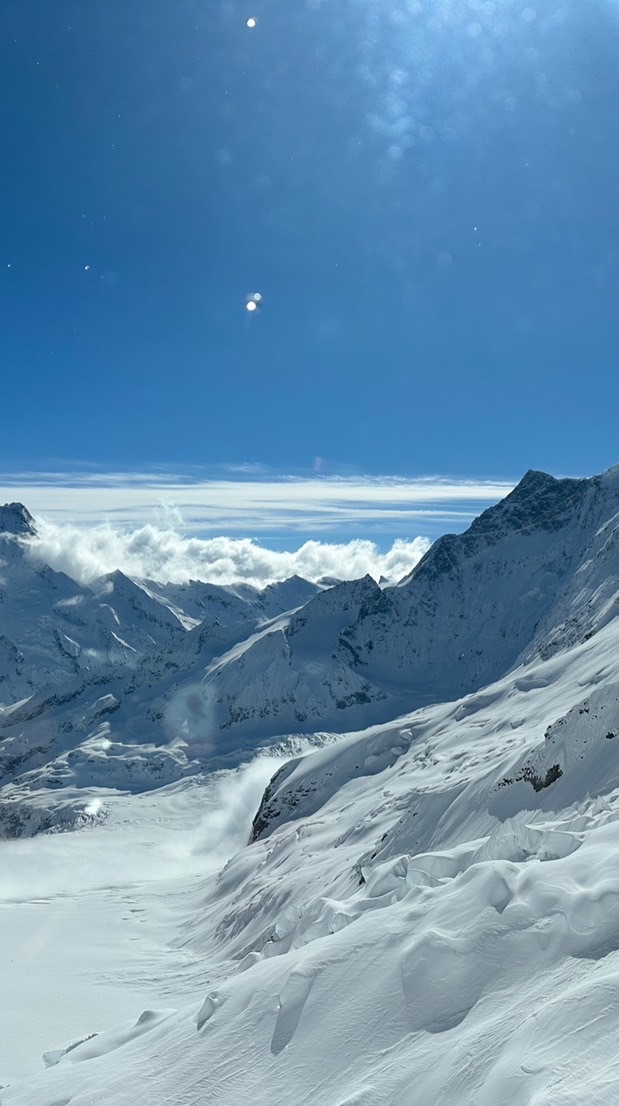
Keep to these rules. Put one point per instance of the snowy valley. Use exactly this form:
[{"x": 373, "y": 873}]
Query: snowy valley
[{"x": 328, "y": 843}]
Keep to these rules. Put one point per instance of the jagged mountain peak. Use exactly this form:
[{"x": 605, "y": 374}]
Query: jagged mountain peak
[
  {"x": 345, "y": 596},
  {"x": 118, "y": 578},
  {"x": 16, "y": 519},
  {"x": 538, "y": 502}
]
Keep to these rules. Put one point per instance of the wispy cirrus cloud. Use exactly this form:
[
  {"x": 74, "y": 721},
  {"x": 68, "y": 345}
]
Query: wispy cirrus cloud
[{"x": 267, "y": 505}]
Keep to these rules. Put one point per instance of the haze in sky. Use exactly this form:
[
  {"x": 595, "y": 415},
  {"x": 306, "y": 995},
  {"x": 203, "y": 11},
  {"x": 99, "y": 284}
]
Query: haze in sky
[{"x": 422, "y": 193}]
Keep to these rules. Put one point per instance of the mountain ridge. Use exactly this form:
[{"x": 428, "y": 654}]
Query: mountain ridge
[{"x": 533, "y": 576}]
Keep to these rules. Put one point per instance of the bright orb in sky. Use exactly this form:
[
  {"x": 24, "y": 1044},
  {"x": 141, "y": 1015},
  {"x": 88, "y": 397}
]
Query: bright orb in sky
[
  {"x": 253, "y": 302},
  {"x": 251, "y": 22}
]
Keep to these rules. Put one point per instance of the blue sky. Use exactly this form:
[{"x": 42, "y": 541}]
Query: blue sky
[{"x": 423, "y": 191}]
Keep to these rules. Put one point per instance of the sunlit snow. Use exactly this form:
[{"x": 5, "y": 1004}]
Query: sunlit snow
[{"x": 428, "y": 910}]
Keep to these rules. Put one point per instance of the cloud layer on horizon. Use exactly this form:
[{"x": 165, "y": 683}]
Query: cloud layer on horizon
[
  {"x": 149, "y": 552},
  {"x": 170, "y": 526},
  {"x": 270, "y": 506}
]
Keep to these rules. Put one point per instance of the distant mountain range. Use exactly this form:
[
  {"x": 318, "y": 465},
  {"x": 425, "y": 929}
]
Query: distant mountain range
[{"x": 131, "y": 683}]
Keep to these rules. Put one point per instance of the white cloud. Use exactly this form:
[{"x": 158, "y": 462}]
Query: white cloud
[{"x": 165, "y": 555}]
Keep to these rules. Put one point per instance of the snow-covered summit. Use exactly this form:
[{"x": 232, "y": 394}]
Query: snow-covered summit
[
  {"x": 15, "y": 519},
  {"x": 533, "y": 572},
  {"x": 539, "y": 502}
]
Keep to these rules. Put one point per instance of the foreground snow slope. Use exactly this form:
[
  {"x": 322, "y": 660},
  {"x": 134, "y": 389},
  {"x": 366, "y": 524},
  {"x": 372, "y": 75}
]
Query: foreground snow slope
[{"x": 428, "y": 916}]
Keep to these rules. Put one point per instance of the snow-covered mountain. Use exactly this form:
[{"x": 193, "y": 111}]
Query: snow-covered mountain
[
  {"x": 52, "y": 628},
  {"x": 130, "y": 681},
  {"x": 427, "y": 909},
  {"x": 99, "y": 685},
  {"x": 533, "y": 574}
]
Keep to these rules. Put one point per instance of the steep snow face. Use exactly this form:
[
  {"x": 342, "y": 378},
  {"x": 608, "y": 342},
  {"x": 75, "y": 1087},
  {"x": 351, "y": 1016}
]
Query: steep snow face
[
  {"x": 134, "y": 603},
  {"x": 199, "y": 602},
  {"x": 591, "y": 595},
  {"x": 286, "y": 679},
  {"x": 34, "y": 644},
  {"x": 534, "y": 573},
  {"x": 53, "y": 629},
  {"x": 543, "y": 738}
]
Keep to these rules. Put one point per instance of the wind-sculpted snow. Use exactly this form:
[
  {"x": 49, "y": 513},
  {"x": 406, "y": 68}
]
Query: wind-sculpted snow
[
  {"x": 308, "y": 784},
  {"x": 579, "y": 757},
  {"x": 420, "y": 925}
]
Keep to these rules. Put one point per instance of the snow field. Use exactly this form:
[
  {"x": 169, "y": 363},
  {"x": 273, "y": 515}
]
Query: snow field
[{"x": 88, "y": 919}]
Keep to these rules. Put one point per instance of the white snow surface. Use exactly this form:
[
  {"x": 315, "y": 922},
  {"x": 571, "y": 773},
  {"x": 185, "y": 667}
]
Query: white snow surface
[
  {"x": 428, "y": 911},
  {"x": 423, "y": 926}
]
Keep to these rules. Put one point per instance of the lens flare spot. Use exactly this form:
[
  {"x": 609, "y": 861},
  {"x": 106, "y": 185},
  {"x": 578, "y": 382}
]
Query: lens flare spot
[{"x": 253, "y": 302}]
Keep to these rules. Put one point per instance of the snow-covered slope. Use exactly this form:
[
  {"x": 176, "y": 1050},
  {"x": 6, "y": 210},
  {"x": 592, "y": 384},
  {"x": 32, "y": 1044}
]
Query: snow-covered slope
[
  {"x": 52, "y": 628},
  {"x": 525, "y": 577},
  {"x": 535, "y": 574},
  {"x": 428, "y": 915},
  {"x": 99, "y": 685}
]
